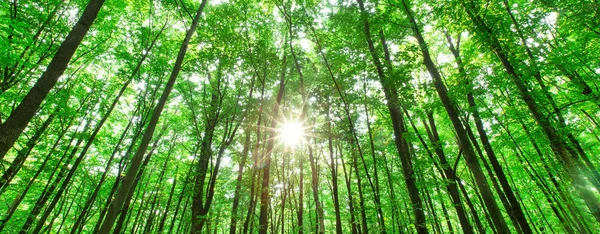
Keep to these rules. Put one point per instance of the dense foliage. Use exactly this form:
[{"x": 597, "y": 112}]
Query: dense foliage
[{"x": 174, "y": 116}]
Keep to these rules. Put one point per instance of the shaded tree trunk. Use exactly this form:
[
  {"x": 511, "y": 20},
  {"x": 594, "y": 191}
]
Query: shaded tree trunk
[
  {"x": 22, "y": 155},
  {"x": 566, "y": 153},
  {"x": 266, "y": 159},
  {"x": 391, "y": 96},
  {"x": 14, "y": 125},
  {"x": 116, "y": 205},
  {"x": 238, "y": 186},
  {"x": 470, "y": 156},
  {"x": 450, "y": 175}
]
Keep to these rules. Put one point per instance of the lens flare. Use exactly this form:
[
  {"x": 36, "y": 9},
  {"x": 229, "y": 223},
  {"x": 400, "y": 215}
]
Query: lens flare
[{"x": 291, "y": 133}]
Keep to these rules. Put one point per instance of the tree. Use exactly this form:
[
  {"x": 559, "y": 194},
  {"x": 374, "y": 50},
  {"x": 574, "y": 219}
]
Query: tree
[
  {"x": 379, "y": 116},
  {"x": 14, "y": 125}
]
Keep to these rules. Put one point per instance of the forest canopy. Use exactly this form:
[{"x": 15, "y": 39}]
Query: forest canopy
[{"x": 282, "y": 116}]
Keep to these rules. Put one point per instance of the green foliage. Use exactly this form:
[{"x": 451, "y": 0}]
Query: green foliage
[{"x": 238, "y": 55}]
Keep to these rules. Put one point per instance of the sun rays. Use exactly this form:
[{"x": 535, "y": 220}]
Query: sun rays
[{"x": 291, "y": 133}]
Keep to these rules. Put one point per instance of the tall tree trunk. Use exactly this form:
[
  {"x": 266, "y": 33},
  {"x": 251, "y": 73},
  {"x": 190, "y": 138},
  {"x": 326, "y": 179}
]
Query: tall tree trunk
[
  {"x": 12, "y": 128},
  {"x": 45, "y": 196},
  {"x": 302, "y": 119},
  {"x": 554, "y": 201},
  {"x": 361, "y": 198},
  {"x": 444, "y": 210},
  {"x": 92, "y": 198},
  {"x": 200, "y": 207},
  {"x": 255, "y": 159},
  {"x": 157, "y": 187},
  {"x": 88, "y": 144},
  {"x": 121, "y": 166},
  {"x": 22, "y": 155},
  {"x": 587, "y": 164},
  {"x": 266, "y": 159},
  {"x": 123, "y": 214},
  {"x": 334, "y": 180},
  {"x": 391, "y": 95},
  {"x": 182, "y": 195},
  {"x": 375, "y": 188},
  {"x": 15, "y": 204},
  {"x": 470, "y": 156},
  {"x": 514, "y": 207},
  {"x": 348, "y": 179},
  {"x": 450, "y": 174},
  {"x": 476, "y": 218},
  {"x": 559, "y": 146},
  {"x": 315, "y": 189},
  {"x": 116, "y": 205},
  {"x": 238, "y": 186}
]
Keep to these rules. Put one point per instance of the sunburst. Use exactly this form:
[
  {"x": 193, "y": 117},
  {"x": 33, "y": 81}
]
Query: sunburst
[{"x": 291, "y": 133}]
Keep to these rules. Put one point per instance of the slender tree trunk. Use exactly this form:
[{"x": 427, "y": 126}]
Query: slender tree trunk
[
  {"x": 314, "y": 176},
  {"x": 109, "y": 199},
  {"x": 12, "y": 128},
  {"x": 515, "y": 208},
  {"x": 559, "y": 146},
  {"x": 45, "y": 196},
  {"x": 594, "y": 176},
  {"x": 121, "y": 167},
  {"x": 375, "y": 188},
  {"x": 116, "y": 205},
  {"x": 444, "y": 210},
  {"x": 394, "y": 108},
  {"x": 470, "y": 156},
  {"x": 255, "y": 172},
  {"x": 61, "y": 208},
  {"x": 238, "y": 185},
  {"x": 157, "y": 187},
  {"x": 123, "y": 214},
  {"x": 450, "y": 174},
  {"x": 85, "y": 148},
  {"x": 165, "y": 214},
  {"x": 536, "y": 177},
  {"x": 334, "y": 180},
  {"x": 15, "y": 204},
  {"x": 315, "y": 189},
  {"x": 200, "y": 207},
  {"x": 22, "y": 155},
  {"x": 11, "y": 74},
  {"x": 182, "y": 195},
  {"x": 92, "y": 198},
  {"x": 476, "y": 218},
  {"x": 437, "y": 224},
  {"x": 300, "y": 212},
  {"x": 493, "y": 179},
  {"x": 347, "y": 179},
  {"x": 266, "y": 159},
  {"x": 84, "y": 211}
]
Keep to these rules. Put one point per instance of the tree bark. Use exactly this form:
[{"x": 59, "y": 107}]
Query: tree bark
[
  {"x": 566, "y": 153},
  {"x": 238, "y": 185},
  {"x": 116, "y": 205},
  {"x": 266, "y": 159},
  {"x": 463, "y": 140},
  {"x": 14, "y": 125},
  {"x": 391, "y": 95},
  {"x": 450, "y": 174},
  {"x": 22, "y": 155},
  {"x": 347, "y": 179},
  {"x": 45, "y": 196},
  {"x": 334, "y": 180}
]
